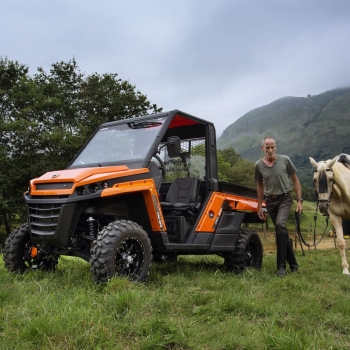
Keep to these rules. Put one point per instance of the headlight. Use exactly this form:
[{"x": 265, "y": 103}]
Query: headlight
[
  {"x": 80, "y": 191},
  {"x": 104, "y": 185},
  {"x": 93, "y": 188}
]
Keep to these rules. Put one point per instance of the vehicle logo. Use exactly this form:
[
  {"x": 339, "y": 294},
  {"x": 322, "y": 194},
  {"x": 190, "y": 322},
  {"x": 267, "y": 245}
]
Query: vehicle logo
[{"x": 54, "y": 175}]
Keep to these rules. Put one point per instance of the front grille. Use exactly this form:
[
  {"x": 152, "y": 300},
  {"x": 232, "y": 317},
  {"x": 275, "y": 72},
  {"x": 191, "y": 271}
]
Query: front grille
[
  {"x": 51, "y": 197},
  {"x": 43, "y": 218},
  {"x": 54, "y": 186}
]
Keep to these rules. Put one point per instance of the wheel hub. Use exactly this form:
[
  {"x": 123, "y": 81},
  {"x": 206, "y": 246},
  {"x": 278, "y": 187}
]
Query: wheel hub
[{"x": 128, "y": 259}]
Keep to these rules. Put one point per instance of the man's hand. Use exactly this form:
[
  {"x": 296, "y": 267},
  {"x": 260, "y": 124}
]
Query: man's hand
[
  {"x": 299, "y": 207},
  {"x": 261, "y": 214}
]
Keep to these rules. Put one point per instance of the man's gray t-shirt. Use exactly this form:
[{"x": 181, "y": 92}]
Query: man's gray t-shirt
[{"x": 276, "y": 179}]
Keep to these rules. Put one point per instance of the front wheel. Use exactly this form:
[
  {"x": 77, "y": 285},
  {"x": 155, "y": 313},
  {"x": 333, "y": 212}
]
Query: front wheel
[
  {"x": 248, "y": 252},
  {"x": 121, "y": 249},
  {"x": 20, "y": 255}
]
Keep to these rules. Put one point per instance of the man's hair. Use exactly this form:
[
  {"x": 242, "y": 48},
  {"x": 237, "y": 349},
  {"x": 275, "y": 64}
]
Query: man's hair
[{"x": 267, "y": 137}]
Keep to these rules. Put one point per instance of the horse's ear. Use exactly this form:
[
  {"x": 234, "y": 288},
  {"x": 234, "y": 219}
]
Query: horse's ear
[
  {"x": 313, "y": 163},
  {"x": 331, "y": 162}
]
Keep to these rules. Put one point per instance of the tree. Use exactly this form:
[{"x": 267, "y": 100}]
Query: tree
[
  {"x": 12, "y": 74},
  {"x": 242, "y": 173},
  {"x": 107, "y": 98},
  {"x": 230, "y": 155},
  {"x": 46, "y": 118},
  {"x": 223, "y": 167},
  {"x": 233, "y": 168}
]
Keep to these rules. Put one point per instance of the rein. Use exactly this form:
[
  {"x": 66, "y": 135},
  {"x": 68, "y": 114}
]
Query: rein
[
  {"x": 323, "y": 187},
  {"x": 300, "y": 236}
]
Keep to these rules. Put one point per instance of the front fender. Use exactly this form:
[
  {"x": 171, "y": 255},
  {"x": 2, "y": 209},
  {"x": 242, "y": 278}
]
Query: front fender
[{"x": 148, "y": 189}]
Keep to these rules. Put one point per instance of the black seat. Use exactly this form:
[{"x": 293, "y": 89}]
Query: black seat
[{"x": 183, "y": 196}]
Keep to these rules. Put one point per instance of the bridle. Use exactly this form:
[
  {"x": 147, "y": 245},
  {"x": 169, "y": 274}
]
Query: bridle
[{"x": 323, "y": 183}]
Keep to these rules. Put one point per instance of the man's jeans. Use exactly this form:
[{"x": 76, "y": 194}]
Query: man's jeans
[{"x": 279, "y": 209}]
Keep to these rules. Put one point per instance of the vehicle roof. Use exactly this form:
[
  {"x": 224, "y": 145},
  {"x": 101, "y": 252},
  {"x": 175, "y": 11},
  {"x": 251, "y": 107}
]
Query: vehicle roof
[{"x": 171, "y": 114}]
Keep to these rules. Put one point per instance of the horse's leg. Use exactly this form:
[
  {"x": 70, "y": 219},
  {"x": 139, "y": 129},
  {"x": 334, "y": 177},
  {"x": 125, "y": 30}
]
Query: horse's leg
[{"x": 337, "y": 223}]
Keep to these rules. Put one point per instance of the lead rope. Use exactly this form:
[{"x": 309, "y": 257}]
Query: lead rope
[
  {"x": 300, "y": 236},
  {"x": 297, "y": 226}
]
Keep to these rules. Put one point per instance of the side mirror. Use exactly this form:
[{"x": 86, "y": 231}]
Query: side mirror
[{"x": 173, "y": 146}]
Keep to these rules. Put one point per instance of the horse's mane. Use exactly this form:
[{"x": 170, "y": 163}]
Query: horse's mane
[
  {"x": 341, "y": 168},
  {"x": 344, "y": 159}
]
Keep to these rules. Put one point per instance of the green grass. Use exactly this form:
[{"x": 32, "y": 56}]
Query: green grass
[{"x": 189, "y": 304}]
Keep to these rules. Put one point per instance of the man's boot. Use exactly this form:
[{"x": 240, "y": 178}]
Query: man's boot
[{"x": 292, "y": 261}]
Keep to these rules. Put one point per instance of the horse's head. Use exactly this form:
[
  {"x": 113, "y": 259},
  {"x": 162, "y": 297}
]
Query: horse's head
[{"x": 323, "y": 182}]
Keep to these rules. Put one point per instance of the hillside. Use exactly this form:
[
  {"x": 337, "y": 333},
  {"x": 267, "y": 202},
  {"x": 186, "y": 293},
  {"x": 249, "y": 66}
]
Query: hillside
[{"x": 316, "y": 126}]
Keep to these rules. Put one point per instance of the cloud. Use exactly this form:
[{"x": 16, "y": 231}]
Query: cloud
[{"x": 214, "y": 59}]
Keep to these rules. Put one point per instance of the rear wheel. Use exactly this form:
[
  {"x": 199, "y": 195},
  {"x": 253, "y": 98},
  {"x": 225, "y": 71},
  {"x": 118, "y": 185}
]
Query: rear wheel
[
  {"x": 121, "y": 249},
  {"x": 248, "y": 252},
  {"x": 20, "y": 255}
]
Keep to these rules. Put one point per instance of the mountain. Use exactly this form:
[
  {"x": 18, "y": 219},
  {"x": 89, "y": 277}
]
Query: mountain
[{"x": 316, "y": 126}]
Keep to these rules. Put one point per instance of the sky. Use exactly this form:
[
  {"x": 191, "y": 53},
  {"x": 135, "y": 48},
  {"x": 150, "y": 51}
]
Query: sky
[{"x": 215, "y": 59}]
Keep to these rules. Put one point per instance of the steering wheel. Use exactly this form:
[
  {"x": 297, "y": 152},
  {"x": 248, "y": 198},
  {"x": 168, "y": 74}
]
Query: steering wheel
[{"x": 161, "y": 167}]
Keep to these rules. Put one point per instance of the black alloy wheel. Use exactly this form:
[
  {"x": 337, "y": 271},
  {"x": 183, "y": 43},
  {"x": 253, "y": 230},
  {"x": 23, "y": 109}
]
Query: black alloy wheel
[
  {"x": 122, "y": 249},
  {"x": 248, "y": 252},
  {"x": 21, "y": 255}
]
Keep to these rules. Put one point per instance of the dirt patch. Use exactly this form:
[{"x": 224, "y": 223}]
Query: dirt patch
[{"x": 268, "y": 240}]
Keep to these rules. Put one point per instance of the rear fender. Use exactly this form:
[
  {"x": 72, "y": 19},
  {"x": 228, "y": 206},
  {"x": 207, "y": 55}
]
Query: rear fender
[{"x": 214, "y": 207}]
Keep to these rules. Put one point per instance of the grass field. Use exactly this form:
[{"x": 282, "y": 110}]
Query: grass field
[{"x": 190, "y": 304}]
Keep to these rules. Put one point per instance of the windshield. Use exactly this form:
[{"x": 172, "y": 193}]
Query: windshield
[{"x": 120, "y": 142}]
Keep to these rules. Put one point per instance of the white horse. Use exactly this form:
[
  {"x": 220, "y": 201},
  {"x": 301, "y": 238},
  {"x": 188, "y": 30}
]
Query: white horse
[{"x": 332, "y": 184}]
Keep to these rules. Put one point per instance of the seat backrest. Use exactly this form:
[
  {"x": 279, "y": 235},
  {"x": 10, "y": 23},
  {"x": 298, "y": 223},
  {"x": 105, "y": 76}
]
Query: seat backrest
[{"x": 183, "y": 190}]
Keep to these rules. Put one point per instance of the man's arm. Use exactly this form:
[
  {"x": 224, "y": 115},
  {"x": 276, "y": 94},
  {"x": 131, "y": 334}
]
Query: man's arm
[{"x": 298, "y": 192}]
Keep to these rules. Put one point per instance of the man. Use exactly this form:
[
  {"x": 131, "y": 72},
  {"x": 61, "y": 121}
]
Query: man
[{"x": 273, "y": 174}]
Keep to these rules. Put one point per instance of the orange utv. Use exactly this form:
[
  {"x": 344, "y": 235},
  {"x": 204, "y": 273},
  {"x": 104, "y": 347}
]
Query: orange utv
[{"x": 140, "y": 189}]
